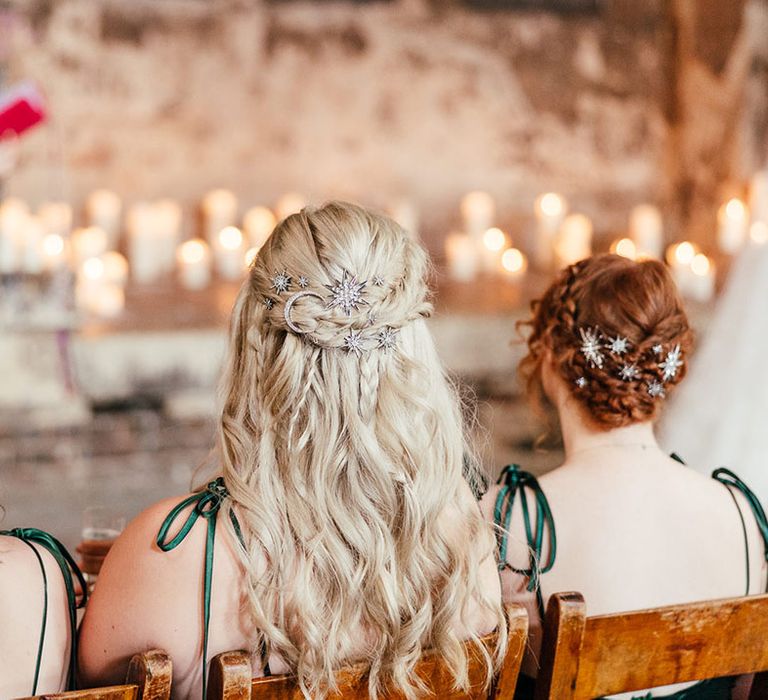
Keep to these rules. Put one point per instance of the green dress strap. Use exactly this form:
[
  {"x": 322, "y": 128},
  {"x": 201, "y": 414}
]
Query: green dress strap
[
  {"x": 207, "y": 504},
  {"x": 516, "y": 482},
  {"x": 733, "y": 483},
  {"x": 31, "y": 536}
]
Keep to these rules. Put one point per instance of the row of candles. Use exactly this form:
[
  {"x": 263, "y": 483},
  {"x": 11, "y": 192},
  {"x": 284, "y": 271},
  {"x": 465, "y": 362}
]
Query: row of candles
[{"x": 562, "y": 238}]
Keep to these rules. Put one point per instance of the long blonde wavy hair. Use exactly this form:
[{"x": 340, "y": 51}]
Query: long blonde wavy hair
[{"x": 345, "y": 469}]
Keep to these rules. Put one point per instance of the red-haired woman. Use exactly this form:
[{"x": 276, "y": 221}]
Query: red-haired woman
[{"x": 636, "y": 528}]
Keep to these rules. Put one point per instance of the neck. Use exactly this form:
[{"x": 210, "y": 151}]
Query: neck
[{"x": 578, "y": 435}]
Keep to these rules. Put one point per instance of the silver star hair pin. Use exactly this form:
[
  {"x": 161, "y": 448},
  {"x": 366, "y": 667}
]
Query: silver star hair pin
[
  {"x": 658, "y": 349},
  {"x": 386, "y": 338},
  {"x": 629, "y": 372},
  {"x": 581, "y": 382},
  {"x": 347, "y": 294},
  {"x": 590, "y": 346},
  {"x": 281, "y": 282},
  {"x": 618, "y": 345},
  {"x": 671, "y": 363},
  {"x": 269, "y": 303},
  {"x": 354, "y": 342},
  {"x": 656, "y": 389},
  {"x": 303, "y": 282},
  {"x": 378, "y": 280}
]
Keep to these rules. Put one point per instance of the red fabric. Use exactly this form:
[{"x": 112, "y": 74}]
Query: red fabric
[{"x": 22, "y": 109}]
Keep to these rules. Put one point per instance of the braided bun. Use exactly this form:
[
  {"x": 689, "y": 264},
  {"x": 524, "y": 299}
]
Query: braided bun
[{"x": 613, "y": 298}]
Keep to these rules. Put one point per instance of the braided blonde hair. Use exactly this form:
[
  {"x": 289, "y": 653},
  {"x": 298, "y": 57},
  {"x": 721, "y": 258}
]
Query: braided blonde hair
[{"x": 346, "y": 469}]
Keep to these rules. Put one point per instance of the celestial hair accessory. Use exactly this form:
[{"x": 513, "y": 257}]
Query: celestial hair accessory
[
  {"x": 591, "y": 346},
  {"x": 289, "y": 305}
]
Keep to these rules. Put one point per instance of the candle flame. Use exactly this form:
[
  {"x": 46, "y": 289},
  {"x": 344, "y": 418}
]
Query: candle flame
[
  {"x": 735, "y": 209},
  {"x": 192, "y": 252},
  {"x": 53, "y": 245},
  {"x": 551, "y": 204},
  {"x": 625, "y": 247},
  {"x": 93, "y": 268},
  {"x": 513, "y": 260},
  {"x": 494, "y": 239},
  {"x": 230, "y": 238},
  {"x": 684, "y": 253},
  {"x": 700, "y": 265}
]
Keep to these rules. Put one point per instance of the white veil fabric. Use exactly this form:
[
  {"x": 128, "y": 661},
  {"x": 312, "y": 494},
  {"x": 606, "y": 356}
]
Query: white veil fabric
[{"x": 719, "y": 415}]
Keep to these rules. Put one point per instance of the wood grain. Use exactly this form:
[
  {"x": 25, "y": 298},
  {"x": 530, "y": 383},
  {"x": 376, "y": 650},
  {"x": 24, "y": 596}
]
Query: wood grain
[
  {"x": 588, "y": 657},
  {"x": 230, "y": 674}
]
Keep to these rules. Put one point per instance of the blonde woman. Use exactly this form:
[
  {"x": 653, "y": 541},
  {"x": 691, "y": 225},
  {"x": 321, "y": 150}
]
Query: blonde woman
[{"x": 342, "y": 525}]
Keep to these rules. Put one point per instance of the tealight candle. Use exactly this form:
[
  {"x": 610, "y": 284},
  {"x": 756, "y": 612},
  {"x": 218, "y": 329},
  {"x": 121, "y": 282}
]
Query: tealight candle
[
  {"x": 574, "y": 241},
  {"x": 194, "y": 264},
  {"x": 514, "y": 263},
  {"x": 701, "y": 282},
  {"x": 477, "y": 213},
  {"x": 289, "y": 203},
  {"x": 646, "y": 230},
  {"x": 219, "y": 211},
  {"x": 550, "y": 209},
  {"x": 258, "y": 223},
  {"x": 461, "y": 257},
  {"x": 88, "y": 243},
  {"x": 494, "y": 241},
  {"x": 732, "y": 219},
  {"x": 103, "y": 209},
  {"x": 625, "y": 247},
  {"x": 228, "y": 253}
]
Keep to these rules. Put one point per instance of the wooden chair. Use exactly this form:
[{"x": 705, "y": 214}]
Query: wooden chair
[
  {"x": 589, "y": 657},
  {"x": 148, "y": 678},
  {"x": 230, "y": 676}
]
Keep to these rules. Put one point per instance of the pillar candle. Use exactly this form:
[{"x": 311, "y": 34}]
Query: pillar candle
[
  {"x": 574, "y": 240},
  {"x": 732, "y": 218},
  {"x": 103, "y": 209},
  {"x": 194, "y": 264},
  {"x": 258, "y": 223},
  {"x": 646, "y": 230},
  {"x": 13, "y": 216},
  {"x": 514, "y": 264},
  {"x": 758, "y": 196},
  {"x": 461, "y": 255},
  {"x": 550, "y": 209},
  {"x": 228, "y": 253},
  {"x": 88, "y": 243},
  {"x": 494, "y": 242},
  {"x": 146, "y": 265},
  {"x": 478, "y": 211},
  {"x": 219, "y": 211},
  {"x": 289, "y": 203},
  {"x": 701, "y": 282}
]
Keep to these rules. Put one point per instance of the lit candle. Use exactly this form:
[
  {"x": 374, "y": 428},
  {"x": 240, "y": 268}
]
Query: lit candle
[
  {"x": 103, "y": 209},
  {"x": 143, "y": 239},
  {"x": 258, "y": 223},
  {"x": 194, "y": 264},
  {"x": 514, "y": 263},
  {"x": 758, "y": 196},
  {"x": 494, "y": 242},
  {"x": 94, "y": 293},
  {"x": 115, "y": 268},
  {"x": 167, "y": 223},
  {"x": 680, "y": 256},
  {"x": 54, "y": 252},
  {"x": 646, "y": 230},
  {"x": 219, "y": 211},
  {"x": 701, "y": 283},
  {"x": 478, "y": 211},
  {"x": 461, "y": 257},
  {"x": 32, "y": 243},
  {"x": 13, "y": 216},
  {"x": 550, "y": 209},
  {"x": 289, "y": 203},
  {"x": 574, "y": 241},
  {"x": 250, "y": 256},
  {"x": 625, "y": 247},
  {"x": 732, "y": 232},
  {"x": 88, "y": 243},
  {"x": 228, "y": 253}
]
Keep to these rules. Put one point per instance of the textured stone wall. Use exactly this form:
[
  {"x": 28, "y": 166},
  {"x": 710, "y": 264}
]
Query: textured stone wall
[{"x": 373, "y": 101}]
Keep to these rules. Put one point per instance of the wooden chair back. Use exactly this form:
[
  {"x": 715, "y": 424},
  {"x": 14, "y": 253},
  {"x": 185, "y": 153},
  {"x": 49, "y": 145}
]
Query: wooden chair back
[
  {"x": 148, "y": 678},
  {"x": 230, "y": 676},
  {"x": 588, "y": 657}
]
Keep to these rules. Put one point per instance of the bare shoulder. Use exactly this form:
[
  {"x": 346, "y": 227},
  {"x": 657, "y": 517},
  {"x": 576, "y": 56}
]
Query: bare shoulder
[{"x": 19, "y": 572}]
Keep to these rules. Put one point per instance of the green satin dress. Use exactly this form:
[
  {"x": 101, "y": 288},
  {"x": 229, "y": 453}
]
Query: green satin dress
[
  {"x": 69, "y": 569},
  {"x": 520, "y": 486}
]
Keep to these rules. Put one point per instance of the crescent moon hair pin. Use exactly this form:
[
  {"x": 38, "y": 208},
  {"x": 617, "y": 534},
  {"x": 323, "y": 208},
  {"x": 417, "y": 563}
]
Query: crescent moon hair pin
[{"x": 289, "y": 305}]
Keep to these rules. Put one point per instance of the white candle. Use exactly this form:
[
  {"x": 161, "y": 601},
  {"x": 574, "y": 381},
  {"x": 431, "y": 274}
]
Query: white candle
[
  {"x": 88, "y": 243},
  {"x": 32, "y": 243},
  {"x": 103, "y": 209},
  {"x": 733, "y": 218},
  {"x": 625, "y": 247},
  {"x": 758, "y": 196},
  {"x": 701, "y": 282},
  {"x": 259, "y": 222},
  {"x": 54, "y": 252},
  {"x": 144, "y": 240},
  {"x": 13, "y": 217},
  {"x": 574, "y": 241},
  {"x": 56, "y": 217},
  {"x": 680, "y": 256},
  {"x": 219, "y": 211},
  {"x": 758, "y": 232},
  {"x": 514, "y": 263},
  {"x": 194, "y": 264},
  {"x": 94, "y": 293},
  {"x": 494, "y": 242},
  {"x": 289, "y": 203},
  {"x": 462, "y": 257},
  {"x": 167, "y": 223},
  {"x": 115, "y": 268},
  {"x": 646, "y": 229},
  {"x": 478, "y": 211},
  {"x": 550, "y": 209},
  {"x": 228, "y": 253}
]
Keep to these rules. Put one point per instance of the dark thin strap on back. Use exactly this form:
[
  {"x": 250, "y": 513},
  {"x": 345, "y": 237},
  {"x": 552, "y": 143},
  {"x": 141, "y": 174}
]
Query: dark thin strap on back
[
  {"x": 206, "y": 505},
  {"x": 515, "y": 481},
  {"x": 732, "y": 482},
  {"x": 31, "y": 536}
]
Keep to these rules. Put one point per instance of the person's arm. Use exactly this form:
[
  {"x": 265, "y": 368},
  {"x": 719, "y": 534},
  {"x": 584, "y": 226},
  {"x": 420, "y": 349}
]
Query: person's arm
[{"x": 144, "y": 598}]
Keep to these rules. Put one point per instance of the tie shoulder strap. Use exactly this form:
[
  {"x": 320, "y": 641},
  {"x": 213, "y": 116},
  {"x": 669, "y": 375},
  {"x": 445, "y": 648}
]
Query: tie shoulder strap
[
  {"x": 732, "y": 481},
  {"x": 516, "y": 483}
]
